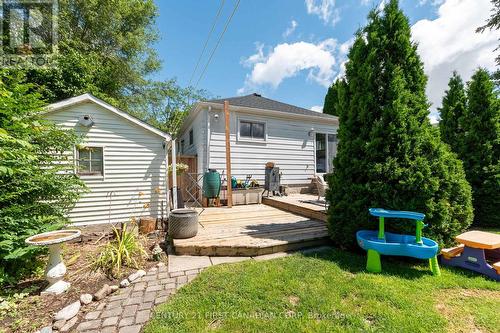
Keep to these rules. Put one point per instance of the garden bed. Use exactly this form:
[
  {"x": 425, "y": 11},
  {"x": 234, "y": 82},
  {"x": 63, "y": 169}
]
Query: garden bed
[{"x": 34, "y": 311}]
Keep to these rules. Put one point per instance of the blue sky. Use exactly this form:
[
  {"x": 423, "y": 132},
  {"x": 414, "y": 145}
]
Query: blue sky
[{"x": 291, "y": 50}]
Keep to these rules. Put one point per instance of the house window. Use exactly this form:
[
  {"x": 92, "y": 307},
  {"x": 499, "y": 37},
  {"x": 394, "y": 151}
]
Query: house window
[
  {"x": 89, "y": 161},
  {"x": 182, "y": 147},
  {"x": 252, "y": 130},
  {"x": 191, "y": 137}
]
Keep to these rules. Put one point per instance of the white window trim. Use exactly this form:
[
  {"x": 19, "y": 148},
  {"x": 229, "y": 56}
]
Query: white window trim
[
  {"x": 90, "y": 177},
  {"x": 251, "y": 120},
  {"x": 189, "y": 136},
  {"x": 326, "y": 151}
]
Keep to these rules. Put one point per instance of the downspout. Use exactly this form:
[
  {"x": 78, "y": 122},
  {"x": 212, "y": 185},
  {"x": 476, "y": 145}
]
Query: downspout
[
  {"x": 208, "y": 137},
  {"x": 174, "y": 175}
]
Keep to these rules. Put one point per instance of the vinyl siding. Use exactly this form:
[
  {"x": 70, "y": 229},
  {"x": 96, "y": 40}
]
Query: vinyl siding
[
  {"x": 134, "y": 167},
  {"x": 199, "y": 146},
  {"x": 288, "y": 145}
]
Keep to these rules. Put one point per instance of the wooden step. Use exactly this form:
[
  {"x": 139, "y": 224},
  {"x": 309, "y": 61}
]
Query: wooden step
[{"x": 250, "y": 231}]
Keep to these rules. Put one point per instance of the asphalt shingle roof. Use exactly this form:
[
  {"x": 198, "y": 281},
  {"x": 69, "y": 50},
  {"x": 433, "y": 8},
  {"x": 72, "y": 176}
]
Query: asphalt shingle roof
[{"x": 259, "y": 102}]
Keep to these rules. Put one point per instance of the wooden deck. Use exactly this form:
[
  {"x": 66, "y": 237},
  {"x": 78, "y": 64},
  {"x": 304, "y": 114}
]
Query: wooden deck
[
  {"x": 302, "y": 204},
  {"x": 251, "y": 230}
]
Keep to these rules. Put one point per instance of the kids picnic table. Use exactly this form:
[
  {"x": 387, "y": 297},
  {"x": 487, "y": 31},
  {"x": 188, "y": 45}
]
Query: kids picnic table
[{"x": 479, "y": 251}]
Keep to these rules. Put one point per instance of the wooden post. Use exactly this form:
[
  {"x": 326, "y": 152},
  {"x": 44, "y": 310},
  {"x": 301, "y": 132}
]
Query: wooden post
[
  {"x": 228, "y": 157},
  {"x": 167, "y": 183},
  {"x": 174, "y": 175}
]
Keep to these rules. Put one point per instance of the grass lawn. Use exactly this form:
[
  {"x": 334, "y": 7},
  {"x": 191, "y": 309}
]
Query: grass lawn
[{"x": 330, "y": 292}]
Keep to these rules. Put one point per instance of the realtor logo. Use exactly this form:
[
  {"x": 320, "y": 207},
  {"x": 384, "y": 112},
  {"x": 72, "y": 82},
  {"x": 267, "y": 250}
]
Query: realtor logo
[{"x": 28, "y": 32}]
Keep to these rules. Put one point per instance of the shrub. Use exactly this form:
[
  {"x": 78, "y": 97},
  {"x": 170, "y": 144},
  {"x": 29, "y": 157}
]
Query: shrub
[
  {"x": 389, "y": 155},
  {"x": 121, "y": 251},
  {"x": 36, "y": 189}
]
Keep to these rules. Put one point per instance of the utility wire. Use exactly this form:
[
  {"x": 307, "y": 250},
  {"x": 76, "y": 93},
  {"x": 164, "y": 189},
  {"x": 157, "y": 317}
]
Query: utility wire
[
  {"x": 206, "y": 41},
  {"x": 217, "y": 44}
]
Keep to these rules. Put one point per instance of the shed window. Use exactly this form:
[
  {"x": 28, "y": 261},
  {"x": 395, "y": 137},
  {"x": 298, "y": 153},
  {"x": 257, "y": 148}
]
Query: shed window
[
  {"x": 252, "y": 130},
  {"x": 191, "y": 137},
  {"x": 89, "y": 161}
]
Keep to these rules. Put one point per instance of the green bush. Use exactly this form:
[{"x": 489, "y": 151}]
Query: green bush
[
  {"x": 36, "y": 189},
  {"x": 389, "y": 155}
]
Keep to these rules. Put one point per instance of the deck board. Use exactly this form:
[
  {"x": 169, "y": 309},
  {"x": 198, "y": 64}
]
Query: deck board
[
  {"x": 251, "y": 230},
  {"x": 298, "y": 204}
]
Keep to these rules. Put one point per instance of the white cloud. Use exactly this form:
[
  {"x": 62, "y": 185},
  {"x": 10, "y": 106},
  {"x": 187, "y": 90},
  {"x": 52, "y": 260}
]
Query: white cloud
[
  {"x": 324, "y": 9},
  {"x": 450, "y": 43},
  {"x": 290, "y": 29},
  {"x": 287, "y": 60},
  {"x": 317, "y": 108}
]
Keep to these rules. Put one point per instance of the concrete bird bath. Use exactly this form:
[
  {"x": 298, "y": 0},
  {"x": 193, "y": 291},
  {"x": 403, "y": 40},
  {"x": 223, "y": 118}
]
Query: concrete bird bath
[{"x": 56, "y": 269}]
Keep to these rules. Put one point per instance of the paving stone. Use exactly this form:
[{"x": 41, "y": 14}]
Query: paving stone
[
  {"x": 161, "y": 299},
  {"x": 154, "y": 288},
  {"x": 191, "y": 271},
  {"x": 92, "y": 315},
  {"x": 225, "y": 260},
  {"x": 142, "y": 316},
  {"x": 182, "y": 279},
  {"x": 167, "y": 280},
  {"x": 137, "y": 294},
  {"x": 130, "y": 310},
  {"x": 131, "y": 329},
  {"x": 112, "y": 312},
  {"x": 119, "y": 296},
  {"x": 114, "y": 304},
  {"x": 191, "y": 277},
  {"x": 140, "y": 286},
  {"x": 175, "y": 274},
  {"x": 169, "y": 285},
  {"x": 127, "y": 321},
  {"x": 88, "y": 325},
  {"x": 149, "y": 297},
  {"x": 109, "y": 329},
  {"x": 149, "y": 278},
  {"x": 163, "y": 275},
  {"x": 111, "y": 321},
  {"x": 135, "y": 300},
  {"x": 152, "y": 271},
  {"x": 154, "y": 282},
  {"x": 163, "y": 293},
  {"x": 183, "y": 263},
  {"x": 271, "y": 256},
  {"x": 101, "y": 306},
  {"x": 146, "y": 306}
]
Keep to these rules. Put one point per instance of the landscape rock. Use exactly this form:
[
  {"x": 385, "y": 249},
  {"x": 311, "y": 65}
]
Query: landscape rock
[
  {"x": 114, "y": 288},
  {"x": 86, "y": 298},
  {"x": 134, "y": 276},
  {"x": 103, "y": 292},
  {"x": 57, "y": 325},
  {"x": 69, "y": 324},
  {"x": 68, "y": 312},
  {"x": 124, "y": 283},
  {"x": 46, "y": 329}
]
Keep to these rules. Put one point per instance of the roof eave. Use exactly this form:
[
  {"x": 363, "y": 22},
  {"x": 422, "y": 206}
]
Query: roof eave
[{"x": 90, "y": 98}]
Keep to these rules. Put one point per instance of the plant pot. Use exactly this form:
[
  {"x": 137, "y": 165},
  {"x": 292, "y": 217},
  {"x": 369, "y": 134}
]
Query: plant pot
[{"x": 183, "y": 223}]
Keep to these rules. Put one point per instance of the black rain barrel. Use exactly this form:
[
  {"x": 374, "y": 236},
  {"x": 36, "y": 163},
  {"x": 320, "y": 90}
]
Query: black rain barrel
[{"x": 211, "y": 184}]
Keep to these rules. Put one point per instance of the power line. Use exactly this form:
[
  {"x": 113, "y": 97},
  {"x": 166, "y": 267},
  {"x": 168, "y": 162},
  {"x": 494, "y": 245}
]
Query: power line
[
  {"x": 217, "y": 44},
  {"x": 206, "y": 41}
]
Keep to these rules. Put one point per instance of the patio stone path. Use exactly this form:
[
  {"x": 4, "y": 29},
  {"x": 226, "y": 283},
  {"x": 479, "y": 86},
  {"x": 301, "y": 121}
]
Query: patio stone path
[{"x": 130, "y": 308}]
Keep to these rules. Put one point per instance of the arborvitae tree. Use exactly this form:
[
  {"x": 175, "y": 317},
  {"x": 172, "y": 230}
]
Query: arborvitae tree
[
  {"x": 480, "y": 148},
  {"x": 453, "y": 108},
  {"x": 331, "y": 105},
  {"x": 389, "y": 155}
]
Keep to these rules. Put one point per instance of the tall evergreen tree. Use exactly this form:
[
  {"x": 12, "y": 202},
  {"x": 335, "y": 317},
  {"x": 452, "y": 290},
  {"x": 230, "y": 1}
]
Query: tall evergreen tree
[
  {"x": 331, "y": 105},
  {"x": 453, "y": 108},
  {"x": 388, "y": 154},
  {"x": 480, "y": 148}
]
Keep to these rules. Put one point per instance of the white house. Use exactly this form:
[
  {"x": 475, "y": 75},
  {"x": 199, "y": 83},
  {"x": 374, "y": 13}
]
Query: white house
[
  {"x": 301, "y": 142},
  {"x": 122, "y": 161}
]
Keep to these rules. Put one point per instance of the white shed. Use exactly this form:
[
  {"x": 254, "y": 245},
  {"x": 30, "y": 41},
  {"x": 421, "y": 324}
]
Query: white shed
[
  {"x": 301, "y": 142},
  {"x": 122, "y": 161}
]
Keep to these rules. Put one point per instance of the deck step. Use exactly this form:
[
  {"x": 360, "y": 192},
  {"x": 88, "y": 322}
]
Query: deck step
[
  {"x": 307, "y": 210},
  {"x": 496, "y": 266},
  {"x": 252, "y": 231}
]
